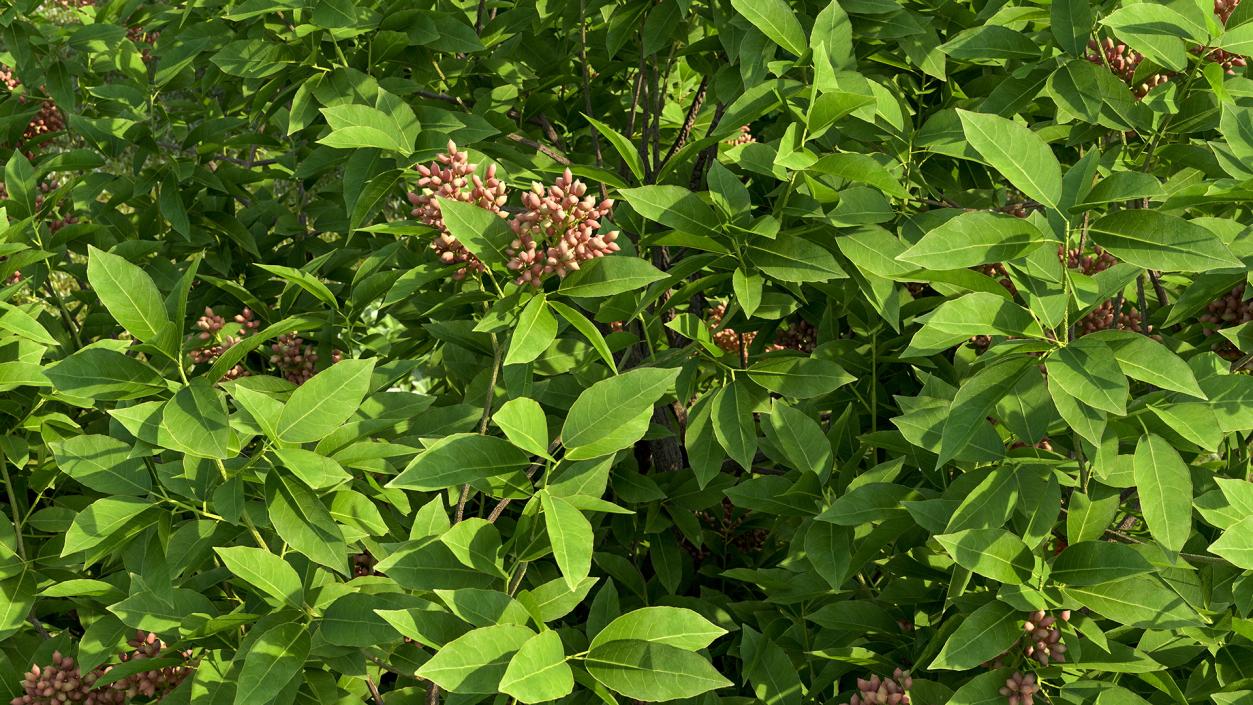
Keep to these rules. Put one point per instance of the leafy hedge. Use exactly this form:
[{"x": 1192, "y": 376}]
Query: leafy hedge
[{"x": 833, "y": 351}]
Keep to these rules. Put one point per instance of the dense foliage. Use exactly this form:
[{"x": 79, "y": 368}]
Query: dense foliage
[{"x": 834, "y": 351}]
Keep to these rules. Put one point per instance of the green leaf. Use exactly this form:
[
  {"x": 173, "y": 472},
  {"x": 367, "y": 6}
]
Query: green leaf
[
  {"x": 100, "y": 520},
  {"x": 799, "y": 377},
  {"x": 571, "y": 537},
  {"x": 613, "y": 413},
  {"x": 361, "y": 126},
  {"x": 131, "y": 297},
  {"x": 534, "y": 334},
  {"x": 305, "y": 280},
  {"x": 538, "y": 672},
  {"x": 990, "y": 42},
  {"x": 484, "y": 233},
  {"x": 607, "y": 276},
  {"x": 776, "y": 20},
  {"x": 1095, "y": 562},
  {"x": 1089, "y": 372},
  {"x": 265, "y": 571},
  {"x": 977, "y": 313},
  {"x": 799, "y": 438},
  {"x": 1165, "y": 488},
  {"x": 476, "y": 661},
  {"x": 861, "y": 168},
  {"x": 672, "y": 626},
  {"x": 732, "y": 415},
  {"x": 273, "y": 661},
  {"x": 1156, "y": 240},
  {"x": 622, "y": 145},
  {"x": 673, "y": 206},
  {"x": 1238, "y": 40},
  {"x": 1017, "y": 153},
  {"x": 747, "y": 290},
  {"x": 98, "y": 373},
  {"x": 992, "y": 553},
  {"x": 22, "y": 324},
  {"x": 194, "y": 422},
  {"x": 326, "y": 401},
  {"x": 1070, "y": 21},
  {"x": 1140, "y": 601},
  {"x": 1236, "y": 544},
  {"x": 791, "y": 258},
  {"x": 457, "y": 459},
  {"x": 317, "y": 471},
  {"x": 975, "y": 238},
  {"x": 982, "y": 636},
  {"x": 975, "y": 400},
  {"x": 587, "y": 329},
  {"x": 652, "y": 672},
  {"x": 103, "y": 464},
  {"x": 303, "y": 522},
  {"x": 524, "y": 425},
  {"x": 1147, "y": 360}
]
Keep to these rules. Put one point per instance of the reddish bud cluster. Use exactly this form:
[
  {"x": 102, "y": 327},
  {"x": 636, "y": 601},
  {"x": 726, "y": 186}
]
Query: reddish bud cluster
[
  {"x": 49, "y": 118},
  {"x": 883, "y": 691},
  {"x": 452, "y": 177},
  {"x": 213, "y": 343},
  {"x": 140, "y": 38},
  {"x": 45, "y": 187},
  {"x": 1044, "y": 638},
  {"x": 1098, "y": 261},
  {"x": 745, "y": 137},
  {"x": 564, "y": 220},
  {"x": 62, "y": 683},
  {"x": 729, "y": 528},
  {"x": 1043, "y": 444},
  {"x": 1224, "y": 8},
  {"x": 556, "y": 230},
  {"x": 1228, "y": 310},
  {"x": 1122, "y": 61},
  {"x": 799, "y": 335},
  {"x": 1041, "y": 641},
  {"x": 1229, "y": 61},
  {"x": 295, "y": 359},
  {"x": 362, "y": 564},
  {"x": 1102, "y": 318},
  {"x": 1020, "y": 689}
]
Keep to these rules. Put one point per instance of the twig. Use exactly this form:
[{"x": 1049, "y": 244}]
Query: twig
[
  {"x": 1144, "y": 309},
  {"x": 688, "y": 123},
  {"x": 432, "y": 695},
  {"x": 487, "y": 415},
  {"x": 478, "y": 17},
  {"x": 38, "y": 625},
  {"x": 586, "y": 75},
  {"x": 1158, "y": 289},
  {"x": 539, "y": 147},
  {"x": 374, "y": 689},
  {"x": 706, "y": 154}
]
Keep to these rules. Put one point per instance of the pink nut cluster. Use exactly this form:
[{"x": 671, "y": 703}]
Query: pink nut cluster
[
  {"x": 214, "y": 344},
  {"x": 1224, "y": 8},
  {"x": 295, "y": 359},
  {"x": 564, "y": 221},
  {"x": 63, "y": 683},
  {"x": 1044, "y": 638},
  {"x": 883, "y": 691},
  {"x": 1123, "y": 61},
  {"x": 1020, "y": 689},
  {"x": 452, "y": 177},
  {"x": 557, "y": 229}
]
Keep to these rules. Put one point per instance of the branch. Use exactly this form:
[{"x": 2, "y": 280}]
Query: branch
[
  {"x": 688, "y": 123},
  {"x": 540, "y": 147}
]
